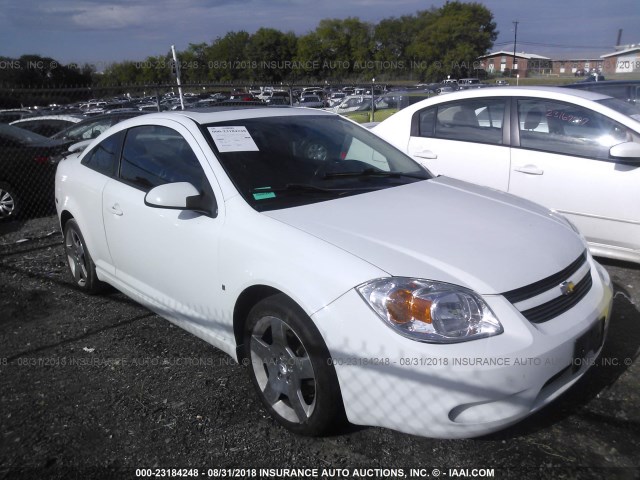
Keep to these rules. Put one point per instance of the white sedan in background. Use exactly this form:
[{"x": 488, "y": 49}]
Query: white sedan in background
[
  {"x": 573, "y": 151},
  {"x": 349, "y": 280}
]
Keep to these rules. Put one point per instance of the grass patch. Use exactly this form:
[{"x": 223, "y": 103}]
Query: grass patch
[{"x": 364, "y": 117}]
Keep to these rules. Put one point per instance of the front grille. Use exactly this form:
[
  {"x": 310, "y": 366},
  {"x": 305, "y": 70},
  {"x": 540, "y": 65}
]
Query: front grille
[
  {"x": 541, "y": 286},
  {"x": 559, "y": 305}
]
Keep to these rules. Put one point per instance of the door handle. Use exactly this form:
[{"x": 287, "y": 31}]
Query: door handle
[
  {"x": 529, "y": 170},
  {"x": 116, "y": 210},
  {"x": 425, "y": 154}
]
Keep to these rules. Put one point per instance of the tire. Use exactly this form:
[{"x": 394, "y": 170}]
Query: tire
[
  {"x": 9, "y": 202},
  {"x": 81, "y": 266},
  {"x": 291, "y": 369}
]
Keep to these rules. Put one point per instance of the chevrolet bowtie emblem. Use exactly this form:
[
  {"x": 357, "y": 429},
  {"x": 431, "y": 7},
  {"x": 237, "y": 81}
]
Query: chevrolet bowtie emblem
[{"x": 567, "y": 288}]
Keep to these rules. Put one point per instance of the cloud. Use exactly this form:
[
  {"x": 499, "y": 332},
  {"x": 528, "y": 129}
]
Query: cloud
[{"x": 110, "y": 17}]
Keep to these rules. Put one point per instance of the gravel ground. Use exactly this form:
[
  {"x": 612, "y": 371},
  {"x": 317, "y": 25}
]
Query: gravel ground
[{"x": 95, "y": 387}]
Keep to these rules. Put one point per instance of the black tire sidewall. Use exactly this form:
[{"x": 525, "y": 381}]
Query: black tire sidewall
[{"x": 328, "y": 413}]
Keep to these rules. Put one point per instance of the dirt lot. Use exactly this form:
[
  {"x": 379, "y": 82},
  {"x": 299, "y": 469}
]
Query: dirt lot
[{"x": 95, "y": 387}]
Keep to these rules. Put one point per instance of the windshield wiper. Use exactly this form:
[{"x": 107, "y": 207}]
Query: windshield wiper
[
  {"x": 372, "y": 172},
  {"x": 304, "y": 187}
]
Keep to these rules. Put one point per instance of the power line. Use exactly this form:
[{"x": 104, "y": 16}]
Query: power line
[{"x": 538, "y": 44}]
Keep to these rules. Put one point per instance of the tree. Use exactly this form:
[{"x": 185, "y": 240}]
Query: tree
[
  {"x": 391, "y": 39},
  {"x": 193, "y": 63},
  {"x": 344, "y": 45},
  {"x": 271, "y": 51},
  {"x": 227, "y": 57},
  {"x": 433, "y": 43},
  {"x": 36, "y": 70},
  {"x": 451, "y": 38}
]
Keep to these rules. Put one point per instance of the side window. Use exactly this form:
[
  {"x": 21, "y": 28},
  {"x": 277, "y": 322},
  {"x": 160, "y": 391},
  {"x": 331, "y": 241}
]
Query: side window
[
  {"x": 567, "y": 129},
  {"x": 103, "y": 157},
  {"x": 427, "y": 122},
  {"x": 478, "y": 120},
  {"x": 154, "y": 155}
]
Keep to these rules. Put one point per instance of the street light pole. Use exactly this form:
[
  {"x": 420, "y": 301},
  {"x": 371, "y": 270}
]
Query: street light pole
[
  {"x": 515, "y": 42},
  {"x": 373, "y": 82}
]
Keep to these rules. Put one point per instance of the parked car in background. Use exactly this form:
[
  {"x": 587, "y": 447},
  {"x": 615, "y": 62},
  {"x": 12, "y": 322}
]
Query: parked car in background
[
  {"x": 11, "y": 115},
  {"x": 345, "y": 276},
  {"x": 353, "y": 103},
  {"x": 627, "y": 90},
  {"x": 336, "y": 98},
  {"x": 399, "y": 99},
  {"x": 92, "y": 127},
  {"x": 574, "y": 151},
  {"x": 465, "y": 83},
  {"x": 278, "y": 97},
  {"x": 311, "y": 101},
  {"x": 47, "y": 125},
  {"x": 27, "y": 168},
  {"x": 242, "y": 97},
  {"x": 594, "y": 77}
]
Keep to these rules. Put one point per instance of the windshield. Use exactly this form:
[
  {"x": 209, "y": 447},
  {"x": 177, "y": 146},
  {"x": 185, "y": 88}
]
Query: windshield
[
  {"x": 84, "y": 130},
  {"x": 21, "y": 135},
  {"x": 286, "y": 161},
  {"x": 623, "y": 107}
]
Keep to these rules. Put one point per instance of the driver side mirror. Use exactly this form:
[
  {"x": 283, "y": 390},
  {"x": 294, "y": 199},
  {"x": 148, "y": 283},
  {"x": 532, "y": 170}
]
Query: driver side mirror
[{"x": 178, "y": 196}]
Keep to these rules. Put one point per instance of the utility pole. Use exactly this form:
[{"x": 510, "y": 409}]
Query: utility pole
[{"x": 515, "y": 42}]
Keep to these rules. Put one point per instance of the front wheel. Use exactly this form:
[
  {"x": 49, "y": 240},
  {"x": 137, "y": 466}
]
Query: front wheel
[
  {"x": 291, "y": 369},
  {"x": 81, "y": 266}
]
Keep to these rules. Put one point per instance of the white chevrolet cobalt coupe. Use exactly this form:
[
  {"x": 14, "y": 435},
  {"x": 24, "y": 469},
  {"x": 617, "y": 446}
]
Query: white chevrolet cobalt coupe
[{"x": 350, "y": 280}]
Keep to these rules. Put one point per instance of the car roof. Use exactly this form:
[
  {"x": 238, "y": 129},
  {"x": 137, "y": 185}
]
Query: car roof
[
  {"x": 221, "y": 114},
  {"x": 602, "y": 83},
  {"x": 69, "y": 117},
  {"x": 521, "y": 91}
]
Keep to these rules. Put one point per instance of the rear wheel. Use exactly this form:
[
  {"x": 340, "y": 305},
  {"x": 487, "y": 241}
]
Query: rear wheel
[
  {"x": 290, "y": 367},
  {"x": 81, "y": 266},
  {"x": 9, "y": 203}
]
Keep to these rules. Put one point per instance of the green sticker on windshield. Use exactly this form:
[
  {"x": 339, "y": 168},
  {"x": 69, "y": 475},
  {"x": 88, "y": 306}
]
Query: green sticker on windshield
[{"x": 263, "y": 195}]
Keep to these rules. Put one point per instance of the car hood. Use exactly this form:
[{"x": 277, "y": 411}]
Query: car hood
[{"x": 446, "y": 230}]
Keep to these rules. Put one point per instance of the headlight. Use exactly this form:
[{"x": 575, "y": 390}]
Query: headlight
[{"x": 428, "y": 311}]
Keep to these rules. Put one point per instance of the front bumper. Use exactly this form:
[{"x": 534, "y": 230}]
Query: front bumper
[{"x": 465, "y": 389}]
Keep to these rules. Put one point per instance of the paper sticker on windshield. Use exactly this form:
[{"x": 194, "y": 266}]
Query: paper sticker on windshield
[
  {"x": 263, "y": 195},
  {"x": 233, "y": 139}
]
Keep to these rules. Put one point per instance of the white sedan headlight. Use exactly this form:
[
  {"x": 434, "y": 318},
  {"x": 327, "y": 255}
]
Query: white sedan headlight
[{"x": 429, "y": 311}]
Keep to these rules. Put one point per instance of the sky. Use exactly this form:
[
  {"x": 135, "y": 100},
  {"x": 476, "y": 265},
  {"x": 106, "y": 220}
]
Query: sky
[{"x": 103, "y": 31}]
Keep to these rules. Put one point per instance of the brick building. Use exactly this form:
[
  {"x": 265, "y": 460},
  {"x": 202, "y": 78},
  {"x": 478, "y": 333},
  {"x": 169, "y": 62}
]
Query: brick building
[
  {"x": 526, "y": 64},
  {"x": 624, "y": 60},
  {"x": 577, "y": 66}
]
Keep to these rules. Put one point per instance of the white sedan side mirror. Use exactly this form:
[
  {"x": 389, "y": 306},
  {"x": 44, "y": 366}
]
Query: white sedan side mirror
[{"x": 626, "y": 151}]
